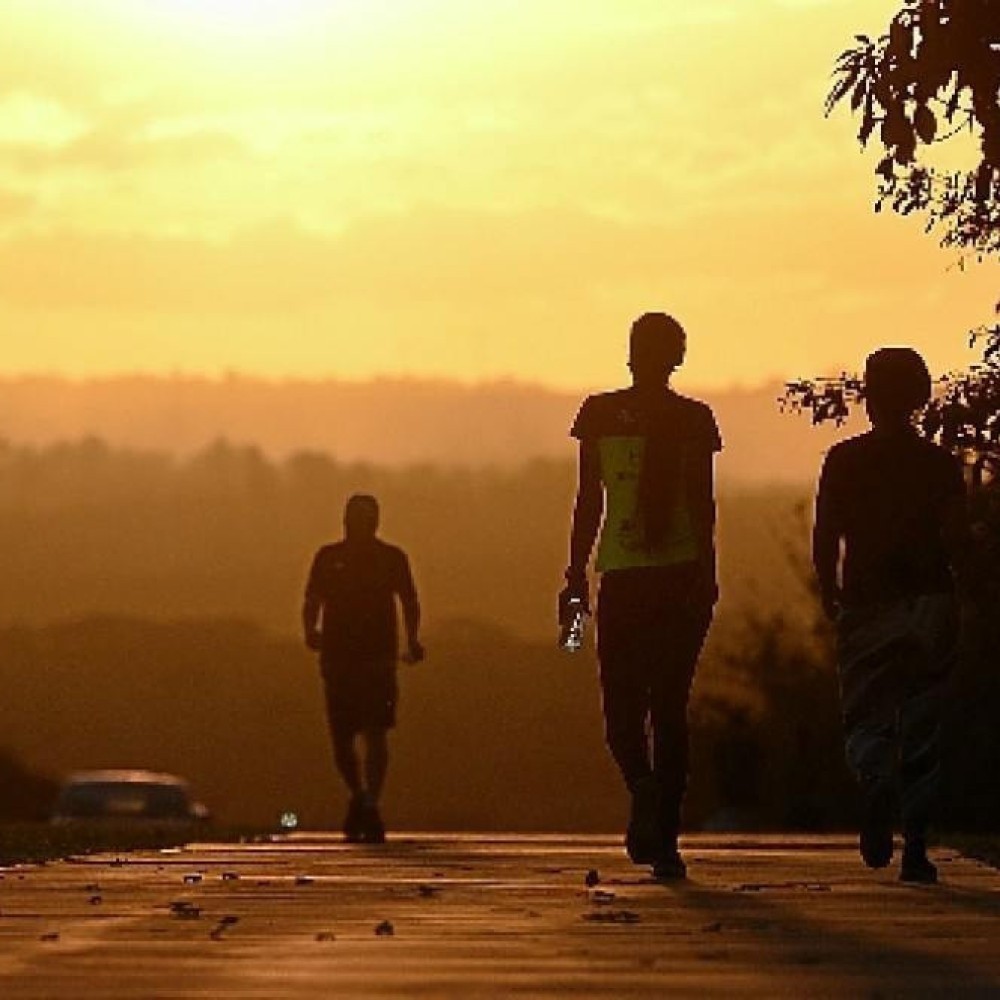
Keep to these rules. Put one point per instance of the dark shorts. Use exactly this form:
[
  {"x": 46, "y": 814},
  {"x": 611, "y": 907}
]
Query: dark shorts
[
  {"x": 360, "y": 695},
  {"x": 893, "y": 652}
]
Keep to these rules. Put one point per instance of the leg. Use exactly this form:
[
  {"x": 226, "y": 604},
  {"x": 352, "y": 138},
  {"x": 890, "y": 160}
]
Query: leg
[
  {"x": 935, "y": 630},
  {"x": 345, "y": 755},
  {"x": 871, "y": 658},
  {"x": 936, "y": 634},
  {"x": 625, "y": 703},
  {"x": 624, "y": 686},
  {"x": 342, "y": 733},
  {"x": 376, "y": 762},
  {"x": 377, "y": 713},
  {"x": 671, "y": 689}
]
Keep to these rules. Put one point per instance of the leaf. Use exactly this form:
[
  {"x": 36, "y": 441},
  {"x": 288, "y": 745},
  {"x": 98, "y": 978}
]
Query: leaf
[
  {"x": 868, "y": 124},
  {"x": 925, "y": 124},
  {"x": 838, "y": 92}
]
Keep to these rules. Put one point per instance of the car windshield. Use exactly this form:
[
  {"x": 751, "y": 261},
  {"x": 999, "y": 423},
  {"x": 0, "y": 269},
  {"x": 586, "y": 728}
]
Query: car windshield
[{"x": 137, "y": 799}]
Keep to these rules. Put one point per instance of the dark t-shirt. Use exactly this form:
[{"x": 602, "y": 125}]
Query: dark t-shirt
[
  {"x": 356, "y": 584},
  {"x": 888, "y": 496},
  {"x": 647, "y": 444}
]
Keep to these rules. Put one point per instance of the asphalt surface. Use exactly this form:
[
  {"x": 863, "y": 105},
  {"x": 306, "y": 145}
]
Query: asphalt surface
[{"x": 467, "y": 916}]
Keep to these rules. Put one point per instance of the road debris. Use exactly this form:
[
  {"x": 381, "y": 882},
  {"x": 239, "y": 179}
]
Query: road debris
[{"x": 613, "y": 917}]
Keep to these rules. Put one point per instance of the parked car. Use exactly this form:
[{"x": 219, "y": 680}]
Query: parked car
[{"x": 126, "y": 795}]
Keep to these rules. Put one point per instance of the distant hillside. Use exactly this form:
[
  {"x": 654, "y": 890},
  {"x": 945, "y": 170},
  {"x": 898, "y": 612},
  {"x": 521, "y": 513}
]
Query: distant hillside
[{"x": 382, "y": 422}]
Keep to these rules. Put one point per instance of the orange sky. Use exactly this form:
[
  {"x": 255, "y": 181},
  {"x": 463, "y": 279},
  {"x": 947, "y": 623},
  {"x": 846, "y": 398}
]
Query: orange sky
[{"x": 439, "y": 187}]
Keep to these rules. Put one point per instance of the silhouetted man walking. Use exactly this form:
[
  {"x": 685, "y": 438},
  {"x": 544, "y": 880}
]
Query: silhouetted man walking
[
  {"x": 646, "y": 467},
  {"x": 349, "y": 617},
  {"x": 888, "y": 504}
]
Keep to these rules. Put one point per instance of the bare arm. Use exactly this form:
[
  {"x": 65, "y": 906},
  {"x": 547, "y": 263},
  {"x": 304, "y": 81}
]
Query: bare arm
[
  {"x": 588, "y": 510},
  {"x": 703, "y": 516},
  {"x": 827, "y": 533},
  {"x": 410, "y": 604},
  {"x": 311, "y": 609}
]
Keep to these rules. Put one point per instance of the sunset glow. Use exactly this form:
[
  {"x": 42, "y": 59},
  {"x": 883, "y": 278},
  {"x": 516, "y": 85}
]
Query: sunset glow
[{"x": 468, "y": 191}]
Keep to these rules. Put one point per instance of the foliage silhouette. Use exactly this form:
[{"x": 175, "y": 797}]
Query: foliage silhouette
[{"x": 934, "y": 75}]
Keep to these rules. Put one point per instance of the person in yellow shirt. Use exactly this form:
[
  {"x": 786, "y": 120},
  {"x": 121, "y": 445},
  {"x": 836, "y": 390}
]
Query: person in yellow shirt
[{"x": 646, "y": 483}]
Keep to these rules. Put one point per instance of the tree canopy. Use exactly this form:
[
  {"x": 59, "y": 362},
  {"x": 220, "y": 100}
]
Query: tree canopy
[{"x": 932, "y": 78}]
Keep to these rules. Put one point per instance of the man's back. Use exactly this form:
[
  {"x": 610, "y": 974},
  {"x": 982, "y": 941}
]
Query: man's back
[
  {"x": 889, "y": 494},
  {"x": 356, "y": 583}
]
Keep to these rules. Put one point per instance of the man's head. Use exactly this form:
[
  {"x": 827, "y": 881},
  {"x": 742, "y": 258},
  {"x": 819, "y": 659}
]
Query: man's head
[
  {"x": 656, "y": 346},
  {"x": 361, "y": 516},
  {"x": 897, "y": 383}
]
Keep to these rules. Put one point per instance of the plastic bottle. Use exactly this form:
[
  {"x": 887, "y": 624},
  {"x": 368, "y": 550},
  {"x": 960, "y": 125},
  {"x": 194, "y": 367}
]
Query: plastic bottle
[{"x": 571, "y": 633}]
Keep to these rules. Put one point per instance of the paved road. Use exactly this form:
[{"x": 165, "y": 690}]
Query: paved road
[{"x": 494, "y": 916}]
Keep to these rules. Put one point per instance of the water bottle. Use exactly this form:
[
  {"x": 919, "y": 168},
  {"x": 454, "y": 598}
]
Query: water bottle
[{"x": 571, "y": 633}]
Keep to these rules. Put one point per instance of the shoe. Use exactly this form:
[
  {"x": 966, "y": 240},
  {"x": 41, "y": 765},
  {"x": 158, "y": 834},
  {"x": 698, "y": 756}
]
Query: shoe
[
  {"x": 917, "y": 867},
  {"x": 875, "y": 842},
  {"x": 373, "y": 829},
  {"x": 354, "y": 820},
  {"x": 642, "y": 838},
  {"x": 669, "y": 866}
]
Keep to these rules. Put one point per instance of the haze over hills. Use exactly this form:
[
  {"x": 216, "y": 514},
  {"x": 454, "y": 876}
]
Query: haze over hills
[{"x": 385, "y": 422}]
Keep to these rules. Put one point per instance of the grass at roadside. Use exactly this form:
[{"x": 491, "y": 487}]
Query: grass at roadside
[{"x": 27, "y": 843}]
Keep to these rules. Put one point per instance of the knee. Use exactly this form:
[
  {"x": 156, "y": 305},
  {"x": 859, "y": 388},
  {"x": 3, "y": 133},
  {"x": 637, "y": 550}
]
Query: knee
[
  {"x": 870, "y": 756},
  {"x": 343, "y": 748}
]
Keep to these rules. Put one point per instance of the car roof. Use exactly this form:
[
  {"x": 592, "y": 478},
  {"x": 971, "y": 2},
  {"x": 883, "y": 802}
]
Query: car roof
[{"x": 124, "y": 777}]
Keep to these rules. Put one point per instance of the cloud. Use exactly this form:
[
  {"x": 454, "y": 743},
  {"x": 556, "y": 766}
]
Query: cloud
[
  {"x": 27, "y": 120},
  {"x": 15, "y": 205},
  {"x": 450, "y": 256}
]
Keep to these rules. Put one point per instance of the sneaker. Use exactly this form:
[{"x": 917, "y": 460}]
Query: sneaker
[
  {"x": 354, "y": 820},
  {"x": 373, "y": 829},
  {"x": 917, "y": 867},
  {"x": 875, "y": 841},
  {"x": 670, "y": 867},
  {"x": 642, "y": 838}
]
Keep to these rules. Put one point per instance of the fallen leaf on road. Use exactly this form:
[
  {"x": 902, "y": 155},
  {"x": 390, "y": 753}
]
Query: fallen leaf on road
[
  {"x": 761, "y": 886},
  {"x": 613, "y": 917},
  {"x": 184, "y": 910},
  {"x": 221, "y": 927}
]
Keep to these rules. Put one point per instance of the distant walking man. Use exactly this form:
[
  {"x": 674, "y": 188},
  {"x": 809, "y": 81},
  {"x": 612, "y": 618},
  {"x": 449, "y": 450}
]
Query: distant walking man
[
  {"x": 888, "y": 503},
  {"x": 349, "y": 618},
  {"x": 646, "y": 462}
]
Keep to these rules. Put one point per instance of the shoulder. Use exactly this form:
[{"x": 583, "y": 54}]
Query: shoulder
[
  {"x": 602, "y": 413},
  {"x": 327, "y": 552},
  {"x": 845, "y": 455},
  {"x": 699, "y": 418},
  {"x": 392, "y": 553},
  {"x": 695, "y": 410},
  {"x": 945, "y": 463},
  {"x": 850, "y": 448}
]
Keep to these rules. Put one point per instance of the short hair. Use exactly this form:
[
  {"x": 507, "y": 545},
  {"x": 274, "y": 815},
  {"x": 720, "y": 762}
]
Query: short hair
[
  {"x": 897, "y": 380},
  {"x": 655, "y": 336},
  {"x": 362, "y": 500}
]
